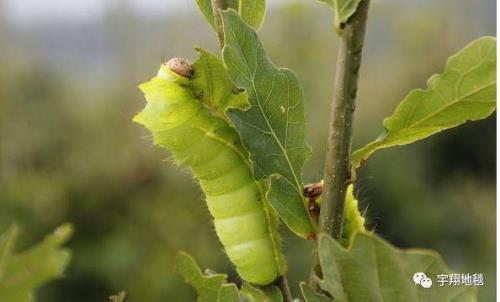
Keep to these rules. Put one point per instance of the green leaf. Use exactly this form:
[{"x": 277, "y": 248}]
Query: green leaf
[
  {"x": 272, "y": 128},
  {"x": 311, "y": 296},
  {"x": 261, "y": 294},
  {"x": 328, "y": 2},
  {"x": 465, "y": 91},
  {"x": 251, "y": 11},
  {"x": 212, "y": 287},
  {"x": 228, "y": 293},
  {"x": 212, "y": 85},
  {"x": 343, "y": 10},
  {"x": 120, "y": 297},
  {"x": 373, "y": 268},
  {"x": 206, "y": 8},
  {"x": 207, "y": 286},
  {"x": 21, "y": 274},
  {"x": 7, "y": 242}
]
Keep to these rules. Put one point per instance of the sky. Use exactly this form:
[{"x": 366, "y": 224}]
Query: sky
[
  {"x": 28, "y": 12},
  {"x": 34, "y": 12}
]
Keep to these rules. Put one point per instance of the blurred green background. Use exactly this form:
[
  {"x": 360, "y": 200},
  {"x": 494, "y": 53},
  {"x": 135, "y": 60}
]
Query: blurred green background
[{"x": 69, "y": 151}]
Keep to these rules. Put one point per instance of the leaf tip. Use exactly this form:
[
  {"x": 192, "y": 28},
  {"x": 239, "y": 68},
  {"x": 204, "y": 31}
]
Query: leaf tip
[{"x": 64, "y": 232}]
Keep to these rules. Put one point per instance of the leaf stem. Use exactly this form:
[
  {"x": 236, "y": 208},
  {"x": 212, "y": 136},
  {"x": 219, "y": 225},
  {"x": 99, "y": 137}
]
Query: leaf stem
[
  {"x": 216, "y": 6},
  {"x": 282, "y": 284},
  {"x": 337, "y": 171}
]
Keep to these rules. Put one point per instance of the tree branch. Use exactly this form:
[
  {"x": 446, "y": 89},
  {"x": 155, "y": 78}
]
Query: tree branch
[{"x": 337, "y": 173}]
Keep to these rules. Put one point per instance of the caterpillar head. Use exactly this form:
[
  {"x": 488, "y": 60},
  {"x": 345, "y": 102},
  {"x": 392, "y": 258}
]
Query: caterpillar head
[
  {"x": 176, "y": 68},
  {"x": 170, "y": 100},
  {"x": 181, "y": 67}
]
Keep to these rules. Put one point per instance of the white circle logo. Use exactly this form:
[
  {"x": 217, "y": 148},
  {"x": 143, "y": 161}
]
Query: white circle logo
[{"x": 421, "y": 279}]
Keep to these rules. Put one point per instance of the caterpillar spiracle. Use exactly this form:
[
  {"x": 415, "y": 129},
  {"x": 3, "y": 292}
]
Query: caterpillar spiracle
[{"x": 211, "y": 148}]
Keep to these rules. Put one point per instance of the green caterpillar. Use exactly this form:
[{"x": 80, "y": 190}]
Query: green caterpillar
[{"x": 211, "y": 148}]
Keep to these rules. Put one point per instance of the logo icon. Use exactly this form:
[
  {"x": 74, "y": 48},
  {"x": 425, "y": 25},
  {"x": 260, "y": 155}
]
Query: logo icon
[{"x": 421, "y": 279}]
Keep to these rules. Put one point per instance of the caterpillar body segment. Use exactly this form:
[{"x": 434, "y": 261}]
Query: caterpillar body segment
[{"x": 211, "y": 148}]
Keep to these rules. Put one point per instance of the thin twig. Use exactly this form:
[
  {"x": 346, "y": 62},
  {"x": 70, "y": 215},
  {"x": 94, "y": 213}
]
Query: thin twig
[
  {"x": 337, "y": 173},
  {"x": 282, "y": 284}
]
